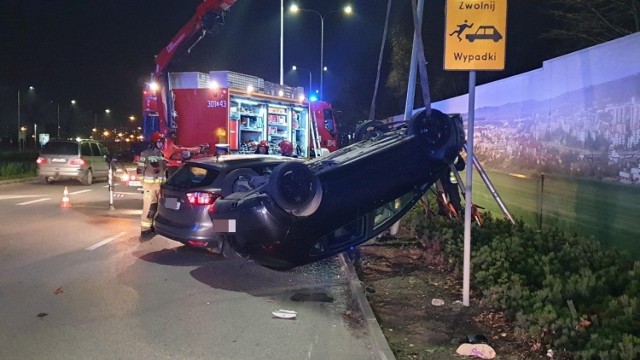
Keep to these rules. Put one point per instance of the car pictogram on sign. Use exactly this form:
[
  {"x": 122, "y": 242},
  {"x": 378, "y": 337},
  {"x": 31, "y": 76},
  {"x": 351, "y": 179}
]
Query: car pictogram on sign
[{"x": 485, "y": 32}]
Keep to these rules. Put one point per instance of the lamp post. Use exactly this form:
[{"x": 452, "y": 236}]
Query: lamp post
[
  {"x": 347, "y": 10},
  {"x": 295, "y": 68},
  {"x": 58, "y": 121},
  {"x": 20, "y": 122}
]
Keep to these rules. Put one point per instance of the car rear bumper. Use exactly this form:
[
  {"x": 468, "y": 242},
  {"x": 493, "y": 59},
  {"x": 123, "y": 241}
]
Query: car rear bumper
[
  {"x": 197, "y": 235},
  {"x": 60, "y": 173}
]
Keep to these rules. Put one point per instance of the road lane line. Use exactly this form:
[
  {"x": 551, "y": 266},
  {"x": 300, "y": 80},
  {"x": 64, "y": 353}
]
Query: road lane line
[
  {"x": 105, "y": 241},
  {"x": 33, "y": 201},
  {"x": 79, "y": 192},
  {"x": 9, "y": 197}
]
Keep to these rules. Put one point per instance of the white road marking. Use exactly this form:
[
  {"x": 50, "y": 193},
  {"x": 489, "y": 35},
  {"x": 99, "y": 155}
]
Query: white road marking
[
  {"x": 79, "y": 192},
  {"x": 105, "y": 241},
  {"x": 33, "y": 201},
  {"x": 9, "y": 197}
]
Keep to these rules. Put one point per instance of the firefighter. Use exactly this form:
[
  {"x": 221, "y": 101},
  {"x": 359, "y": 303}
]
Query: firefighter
[
  {"x": 286, "y": 148},
  {"x": 449, "y": 183},
  {"x": 262, "y": 148},
  {"x": 154, "y": 169}
]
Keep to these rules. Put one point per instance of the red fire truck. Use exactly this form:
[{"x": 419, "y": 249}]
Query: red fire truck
[
  {"x": 240, "y": 110},
  {"x": 193, "y": 109}
]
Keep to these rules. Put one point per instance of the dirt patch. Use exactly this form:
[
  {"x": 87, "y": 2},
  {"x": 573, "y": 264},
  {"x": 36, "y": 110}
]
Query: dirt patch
[{"x": 402, "y": 280}]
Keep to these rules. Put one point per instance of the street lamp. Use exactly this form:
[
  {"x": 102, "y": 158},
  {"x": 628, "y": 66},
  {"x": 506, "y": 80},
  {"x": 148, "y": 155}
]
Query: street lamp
[
  {"x": 31, "y": 88},
  {"x": 347, "y": 10},
  {"x": 295, "y": 68}
]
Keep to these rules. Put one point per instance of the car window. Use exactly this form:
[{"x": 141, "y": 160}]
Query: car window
[
  {"x": 94, "y": 149},
  {"x": 103, "y": 149},
  {"x": 385, "y": 212},
  {"x": 60, "y": 148},
  {"x": 190, "y": 176},
  {"x": 348, "y": 233},
  {"x": 85, "y": 149},
  {"x": 328, "y": 121}
]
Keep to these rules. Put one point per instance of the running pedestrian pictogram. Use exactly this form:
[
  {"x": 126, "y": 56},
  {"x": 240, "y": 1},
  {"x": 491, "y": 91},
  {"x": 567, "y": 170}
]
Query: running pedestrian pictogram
[{"x": 461, "y": 29}]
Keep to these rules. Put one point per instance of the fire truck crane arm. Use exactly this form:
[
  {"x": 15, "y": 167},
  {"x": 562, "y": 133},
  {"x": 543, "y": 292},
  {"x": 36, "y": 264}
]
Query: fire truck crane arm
[{"x": 209, "y": 14}]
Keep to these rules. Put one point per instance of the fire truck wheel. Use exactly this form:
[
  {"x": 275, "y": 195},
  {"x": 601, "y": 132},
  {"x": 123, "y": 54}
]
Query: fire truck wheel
[
  {"x": 238, "y": 180},
  {"x": 295, "y": 188},
  {"x": 369, "y": 129}
]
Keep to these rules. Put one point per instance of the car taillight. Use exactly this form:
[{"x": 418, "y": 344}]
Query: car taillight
[
  {"x": 77, "y": 162},
  {"x": 200, "y": 198},
  {"x": 41, "y": 160}
]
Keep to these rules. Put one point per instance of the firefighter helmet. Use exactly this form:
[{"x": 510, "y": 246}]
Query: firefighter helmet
[
  {"x": 156, "y": 136},
  {"x": 286, "y": 147}
]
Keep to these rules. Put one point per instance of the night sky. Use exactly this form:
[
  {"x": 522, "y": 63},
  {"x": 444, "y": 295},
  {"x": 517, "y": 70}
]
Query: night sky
[{"x": 101, "y": 52}]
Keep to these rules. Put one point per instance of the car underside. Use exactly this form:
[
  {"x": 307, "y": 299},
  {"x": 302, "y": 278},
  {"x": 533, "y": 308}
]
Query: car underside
[{"x": 308, "y": 211}]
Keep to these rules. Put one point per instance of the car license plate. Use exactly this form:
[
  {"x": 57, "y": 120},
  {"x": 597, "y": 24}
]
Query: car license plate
[
  {"x": 135, "y": 183},
  {"x": 59, "y": 160},
  {"x": 172, "y": 204},
  {"x": 224, "y": 225}
]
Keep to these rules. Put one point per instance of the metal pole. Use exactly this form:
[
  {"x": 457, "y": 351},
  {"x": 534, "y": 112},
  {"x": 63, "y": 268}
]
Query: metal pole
[
  {"x": 466, "y": 267},
  {"x": 321, "y": 56},
  {"x": 19, "y": 121},
  {"x": 413, "y": 69},
  {"x": 111, "y": 207},
  {"x": 35, "y": 136},
  {"x": 309, "y": 82},
  {"x": 58, "y": 121},
  {"x": 281, "y": 42}
]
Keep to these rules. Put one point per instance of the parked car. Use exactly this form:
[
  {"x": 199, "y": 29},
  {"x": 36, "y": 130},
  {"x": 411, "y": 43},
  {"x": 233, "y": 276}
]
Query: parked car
[
  {"x": 82, "y": 160},
  {"x": 188, "y": 198},
  {"x": 312, "y": 210}
]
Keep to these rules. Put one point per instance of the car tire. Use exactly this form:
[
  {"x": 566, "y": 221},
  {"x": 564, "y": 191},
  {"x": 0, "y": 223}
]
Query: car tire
[
  {"x": 233, "y": 182},
  {"x": 88, "y": 178},
  {"x": 369, "y": 129},
  {"x": 45, "y": 180},
  {"x": 295, "y": 189}
]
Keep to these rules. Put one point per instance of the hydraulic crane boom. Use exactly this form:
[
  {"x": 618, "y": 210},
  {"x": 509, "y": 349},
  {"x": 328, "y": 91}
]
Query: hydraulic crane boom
[{"x": 208, "y": 14}]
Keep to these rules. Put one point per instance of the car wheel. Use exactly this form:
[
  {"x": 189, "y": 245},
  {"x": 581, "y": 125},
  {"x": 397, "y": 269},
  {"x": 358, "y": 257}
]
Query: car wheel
[
  {"x": 88, "y": 178},
  {"x": 370, "y": 129},
  {"x": 295, "y": 188},
  {"x": 45, "y": 180},
  {"x": 238, "y": 180}
]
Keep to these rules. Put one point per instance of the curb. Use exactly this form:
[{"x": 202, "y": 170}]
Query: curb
[
  {"x": 18, "y": 180},
  {"x": 378, "y": 341}
]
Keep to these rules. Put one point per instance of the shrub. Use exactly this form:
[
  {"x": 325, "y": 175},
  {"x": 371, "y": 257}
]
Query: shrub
[{"x": 564, "y": 291}]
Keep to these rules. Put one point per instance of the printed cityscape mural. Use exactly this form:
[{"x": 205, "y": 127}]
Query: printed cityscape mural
[{"x": 578, "y": 115}]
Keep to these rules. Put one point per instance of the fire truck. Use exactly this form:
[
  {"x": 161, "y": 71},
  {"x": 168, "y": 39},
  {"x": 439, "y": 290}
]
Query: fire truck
[{"x": 196, "y": 110}]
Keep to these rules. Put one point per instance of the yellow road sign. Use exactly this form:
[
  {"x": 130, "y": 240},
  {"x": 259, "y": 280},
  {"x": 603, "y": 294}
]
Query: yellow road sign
[{"x": 475, "y": 34}]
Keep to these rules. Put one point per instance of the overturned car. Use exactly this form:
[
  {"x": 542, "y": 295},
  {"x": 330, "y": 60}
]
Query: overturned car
[{"x": 312, "y": 210}]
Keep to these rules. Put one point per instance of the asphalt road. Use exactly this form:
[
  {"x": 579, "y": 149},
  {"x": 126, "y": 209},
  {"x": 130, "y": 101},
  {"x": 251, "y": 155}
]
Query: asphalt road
[{"x": 80, "y": 283}]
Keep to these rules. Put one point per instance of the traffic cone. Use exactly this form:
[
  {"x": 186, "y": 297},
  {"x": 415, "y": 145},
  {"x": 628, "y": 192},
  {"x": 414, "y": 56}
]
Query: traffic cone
[{"x": 66, "y": 203}]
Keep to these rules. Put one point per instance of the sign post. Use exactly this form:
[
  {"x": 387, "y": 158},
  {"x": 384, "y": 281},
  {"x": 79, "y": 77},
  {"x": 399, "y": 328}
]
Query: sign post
[{"x": 475, "y": 38}]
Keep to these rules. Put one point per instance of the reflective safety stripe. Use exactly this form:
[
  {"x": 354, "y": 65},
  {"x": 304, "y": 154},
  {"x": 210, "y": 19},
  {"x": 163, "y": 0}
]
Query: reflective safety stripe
[
  {"x": 153, "y": 181},
  {"x": 146, "y": 224},
  {"x": 453, "y": 178}
]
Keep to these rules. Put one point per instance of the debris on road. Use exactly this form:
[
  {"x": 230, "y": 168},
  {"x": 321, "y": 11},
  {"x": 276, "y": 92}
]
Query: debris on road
[
  {"x": 284, "y": 314},
  {"x": 437, "y": 302},
  {"x": 58, "y": 291},
  {"x": 482, "y": 351}
]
